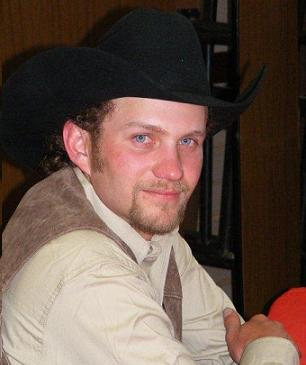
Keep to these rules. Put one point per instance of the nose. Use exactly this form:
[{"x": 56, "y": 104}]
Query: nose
[{"x": 169, "y": 165}]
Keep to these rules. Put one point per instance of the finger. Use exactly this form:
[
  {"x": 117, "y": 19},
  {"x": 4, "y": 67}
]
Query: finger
[
  {"x": 231, "y": 323},
  {"x": 260, "y": 318}
]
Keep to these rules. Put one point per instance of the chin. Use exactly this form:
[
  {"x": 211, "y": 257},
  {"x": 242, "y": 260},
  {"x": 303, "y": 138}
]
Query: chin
[{"x": 156, "y": 225}]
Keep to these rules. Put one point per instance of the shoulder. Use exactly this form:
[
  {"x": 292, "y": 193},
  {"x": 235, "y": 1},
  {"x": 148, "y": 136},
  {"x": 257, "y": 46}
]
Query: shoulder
[
  {"x": 60, "y": 275},
  {"x": 80, "y": 250},
  {"x": 65, "y": 258}
]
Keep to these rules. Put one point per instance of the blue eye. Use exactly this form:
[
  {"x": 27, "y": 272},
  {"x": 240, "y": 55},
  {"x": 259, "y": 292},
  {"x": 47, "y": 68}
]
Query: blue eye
[
  {"x": 186, "y": 141},
  {"x": 141, "y": 138}
]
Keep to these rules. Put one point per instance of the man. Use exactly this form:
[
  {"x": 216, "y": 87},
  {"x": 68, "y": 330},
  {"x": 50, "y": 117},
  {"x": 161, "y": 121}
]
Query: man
[{"x": 95, "y": 269}]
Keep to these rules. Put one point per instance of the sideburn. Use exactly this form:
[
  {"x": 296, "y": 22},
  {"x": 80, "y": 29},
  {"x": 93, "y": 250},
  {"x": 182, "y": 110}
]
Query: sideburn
[
  {"x": 97, "y": 161},
  {"x": 96, "y": 134}
]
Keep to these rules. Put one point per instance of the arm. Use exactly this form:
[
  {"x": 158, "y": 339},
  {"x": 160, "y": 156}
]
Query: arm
[
  {"x": 203, "y": 305},
  {"x": 203, "y": 327},
  {"x": 258, "y": 341}
]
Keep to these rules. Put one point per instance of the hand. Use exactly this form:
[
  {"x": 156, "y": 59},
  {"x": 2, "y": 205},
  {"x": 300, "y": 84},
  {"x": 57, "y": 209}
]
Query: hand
[{"x": 239, "y": 336}]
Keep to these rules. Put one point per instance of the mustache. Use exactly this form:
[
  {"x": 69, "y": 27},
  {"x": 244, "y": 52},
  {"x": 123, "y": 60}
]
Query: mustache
[{"x": 177, "y": 186}]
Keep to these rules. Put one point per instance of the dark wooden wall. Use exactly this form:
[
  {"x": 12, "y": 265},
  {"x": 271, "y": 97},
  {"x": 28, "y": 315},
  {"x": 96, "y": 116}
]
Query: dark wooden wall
[{"x": 270, "y": 152}]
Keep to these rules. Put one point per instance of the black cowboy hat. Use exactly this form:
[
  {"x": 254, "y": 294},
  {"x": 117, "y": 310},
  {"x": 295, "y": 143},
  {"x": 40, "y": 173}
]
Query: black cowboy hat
[{"x": 148, "y": 53}]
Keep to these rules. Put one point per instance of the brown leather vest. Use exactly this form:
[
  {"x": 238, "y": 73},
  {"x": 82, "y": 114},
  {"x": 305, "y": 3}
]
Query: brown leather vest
[{"x": 58, "y": 205}]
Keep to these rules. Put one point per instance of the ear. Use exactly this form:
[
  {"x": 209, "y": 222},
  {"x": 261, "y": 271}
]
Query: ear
[{"x": 77, "y": 145}]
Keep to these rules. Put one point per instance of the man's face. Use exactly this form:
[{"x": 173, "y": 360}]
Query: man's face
[{"x": 147, "y": 161}]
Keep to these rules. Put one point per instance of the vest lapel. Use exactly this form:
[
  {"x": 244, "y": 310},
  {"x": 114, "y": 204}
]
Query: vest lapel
[{"x": 172, "y": 302}]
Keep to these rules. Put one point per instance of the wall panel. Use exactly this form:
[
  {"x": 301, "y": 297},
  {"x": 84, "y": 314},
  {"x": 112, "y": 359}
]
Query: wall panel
[{"x": 269, "y": 146}]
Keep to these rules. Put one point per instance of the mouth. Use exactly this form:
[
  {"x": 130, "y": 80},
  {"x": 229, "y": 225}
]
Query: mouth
[{"x": 167, "y": 195}]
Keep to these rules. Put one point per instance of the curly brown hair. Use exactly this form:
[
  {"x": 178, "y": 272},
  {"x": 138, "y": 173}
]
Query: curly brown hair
[{"x": 89, "y": 119}]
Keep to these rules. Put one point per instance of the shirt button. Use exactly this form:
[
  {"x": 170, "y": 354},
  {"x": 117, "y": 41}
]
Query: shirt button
[{"x": 154, "y": 252}]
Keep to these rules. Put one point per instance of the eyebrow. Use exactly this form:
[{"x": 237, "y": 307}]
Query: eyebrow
[
  {"x": 154, "y": 128},
  {"x": 150, "y": 127}
]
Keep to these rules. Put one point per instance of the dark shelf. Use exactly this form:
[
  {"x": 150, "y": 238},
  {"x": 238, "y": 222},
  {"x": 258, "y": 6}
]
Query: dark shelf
[
  {"x": 211, "y": 253},
  {"x": 214, "y": 33}
]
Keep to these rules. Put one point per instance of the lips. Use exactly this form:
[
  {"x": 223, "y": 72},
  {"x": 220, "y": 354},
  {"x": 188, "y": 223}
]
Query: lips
[{"x": 163, "y": 194}]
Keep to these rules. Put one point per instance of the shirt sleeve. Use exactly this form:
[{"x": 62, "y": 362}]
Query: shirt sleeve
[
  {"x": 203, "y": 326},
  {"x": 270, "y": 351},
  {"x": 203, "y": 304}
]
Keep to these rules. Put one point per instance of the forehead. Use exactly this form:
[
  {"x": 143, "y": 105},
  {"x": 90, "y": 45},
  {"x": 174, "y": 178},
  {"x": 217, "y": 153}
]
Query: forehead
[{"x": 164, "y": 114}]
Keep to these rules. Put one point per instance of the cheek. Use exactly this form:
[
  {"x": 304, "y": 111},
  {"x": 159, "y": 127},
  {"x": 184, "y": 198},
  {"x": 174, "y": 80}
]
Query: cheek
[
  {"x": 130, "y": 164},
  {"x": 193, "y": 168}
]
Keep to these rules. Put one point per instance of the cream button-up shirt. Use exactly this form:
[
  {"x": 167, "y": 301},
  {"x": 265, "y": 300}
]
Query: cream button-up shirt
[{"x": 81, "y": 300}]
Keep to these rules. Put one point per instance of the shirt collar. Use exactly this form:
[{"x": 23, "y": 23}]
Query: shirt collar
[{"x": 141, "y": 248}]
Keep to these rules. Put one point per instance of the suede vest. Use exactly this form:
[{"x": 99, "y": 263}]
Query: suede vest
[{"x": 58, "y": 205}]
